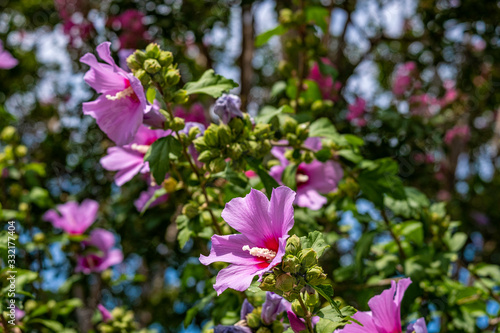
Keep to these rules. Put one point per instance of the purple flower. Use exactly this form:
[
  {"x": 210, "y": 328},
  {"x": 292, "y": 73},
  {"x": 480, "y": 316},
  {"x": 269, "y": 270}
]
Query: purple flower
[
  {"x": 129, "y": 159},
  {"x": 145, "y": 196},
  {"x": 312, "y": 178},
  {"x": 246, "y": 308},
  {"x": 7, "y": 61},
  {"x": 119, "y": 110},
  {"x": 74, "y": 219},
  {"x": 123, "y": 54},
  {"x": 298, "y": 324},
  {"x": 273, "y": 306},
  {"x": 153, "y": 117},
  {"x": 232, "y": 329},
  {"x": 264, "y": 227},
  {"x": 104, "y": 241},
  {"x": 385, "y": 316},
  {"x": 106, "y": 315},
  {"x": 227, "y": 107}
]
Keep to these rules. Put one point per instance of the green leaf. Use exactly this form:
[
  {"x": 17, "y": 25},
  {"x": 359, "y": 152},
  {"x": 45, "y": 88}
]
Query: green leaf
[
  {"x": 151, "y": 95},
  {"x": 185, "y": 232},
  {"x": 412, "y": 231},
  {"x": 267, "y": 114},
  {"x": 319, "y": 16},
  {"x": 50, "y": 324},
  {"x": 268, "y": 181},
  {"x": 326, "y": 69},
  {"x": 380, "y": 177},
  {"x": 191, "y": 313},
  {"x": 289, "y": 177},
  {"x": 315, "y": 241},
  {"x": 326, "y": 291},
  {"x": 323, "y": 128},
  {"x": 264, "y": 37},
  {"x": 159, "y": 155},
  {"x": 210, "y": 84},
  {"x": 332, "y": 315},
  {"x": 456, "y": 242},
  {"x": 350, "y": 155},
  {"x": 278, "y": 88},
  {"x": 363, "y": 247}
]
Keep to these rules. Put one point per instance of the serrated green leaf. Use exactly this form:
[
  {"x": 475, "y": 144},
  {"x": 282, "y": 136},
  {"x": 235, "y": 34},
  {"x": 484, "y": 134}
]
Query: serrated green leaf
[
  {"x": 315, "y": 241},
  {"x": 159, "y": 155},
  {"x": 210, "y": 84}
]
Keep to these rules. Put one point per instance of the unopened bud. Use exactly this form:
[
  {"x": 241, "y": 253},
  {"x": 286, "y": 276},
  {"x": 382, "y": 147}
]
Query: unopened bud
[
  {"x": 297, "y": 308},
  {"x": 142, "y": 76},
  {"x": 264, "y": 330},
  {"x": 173, "y": 77},
  {"x": 224, "y": 135},
  {"x": 302, "y": 132},
  {"x": 166, "y": 58},
  {"x": 152, "y": 66},
  {"x": 311, "y": 299},
  {"x": 140, "y": 56},
  {"x": 169, "y": 184},
  {"x": 315, "y": 275},
  {"x": 178, "y": 124},
  {"x": 190, "y": 210},
  {"x": 291, "y": 264},
  {"x": 290, "y": 125},
  {"x": 21, "y": 151},
  {"x": 211, "y": 136},
  {"x": 307, "y": 258},
  {"x": 132, "y": 62},
  {"x": 268, "y": 283},
  {"x": 253, "y": 320},
  {"x": 9, "y": 133},
  {"x": 285, "y": 282},
  {"x": 293, "y": 245},
  {"x": 153, "y": 51},
  {"x": 181, "y": 96},
  {"x": 217, "y": 165}
]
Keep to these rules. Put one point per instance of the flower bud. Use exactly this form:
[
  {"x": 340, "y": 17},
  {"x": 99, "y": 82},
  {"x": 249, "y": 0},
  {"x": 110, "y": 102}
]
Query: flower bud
[
  {"x": 237, "y": 125},
  {"x": 293, "y": 245},
  {"x": 268, "y": 282},
  {"x": 39, "y": 237},
  {"x": 235, "y": 151},
  {"x": 291, "y": 264},
  {"x": 21, "y": 151},
  {"x": 132, "y": 62},
  {"x": 264, "y": 330},
  {"x": 224, "y": 133},
  {"x": 142, "y": 76},
  {"x": 302, "y": 132},
  {"x": 152, "y": 66},
  {"x": 140, "y": 57},
  {"x": 190, "y": 210},
  {"x": 308, "y": 156},
  {"x": 173, "y": 77},
  {"x": 178, "y": 124},
  {"x": 277, "y": 327},
  {"x": 317, "y": 106},
  {"x": 211, "y": 136},
  {"x": 253, "y": 320},
  {"x": 290, "y": 125},
  {"x": 153, "y": 51},
  {"x": 307, "y": 258},
  {"x": 285, "y": 282},
  {"x": 285, "y": 16},
  {"x": 297, "y": 308},
  {"x": 180, "y": 97},
  {"x": 169, "y": 184},
  {"x": 315, "y": 275},
  {"x": 217, "y": 165},
  {"x": 311, "y": 299},
  {"x": 166, "y": 58},
  {"x": 9, "y": 133}
]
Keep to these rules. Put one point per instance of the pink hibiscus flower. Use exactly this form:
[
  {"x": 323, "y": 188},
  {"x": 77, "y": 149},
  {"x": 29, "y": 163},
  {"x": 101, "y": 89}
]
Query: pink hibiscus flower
[
  {"x": 74, "y": 219},
  {"x": 104, "y": 241}
]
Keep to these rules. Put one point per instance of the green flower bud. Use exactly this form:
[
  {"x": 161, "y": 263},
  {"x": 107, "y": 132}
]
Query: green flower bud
[
  {"x": 152, "y": 66},
  {"x": 173, "y": 77},
  {"x": 311, "y": 299},
  {"x": 291, "y": 264},
  {"x": 211, "y": 136},
  {"x": 293, "y": 245},
  {"x": 302, "y": 132},
  {"x": 132, "y": 62},
  {"x": 217, "y": 165},
  {"x": 297, "y": 308},
  {"x": 21, "y": 151},
  {"x": 206, "y": 156},
  {"x": 178, "y": 124},
  {"x": 308, "y": 258},
  {"x": 180, "y": 97},
  {"x": 285, "y": 282},
  {"x": 315, "y": 275},
  {"x": 308, "y": 156},
  {"x": 200, "y": 144},
  {"x": 166, "y": 58},
  {"x": 142, "y": 76},
  {"x": 237, "y": 125},
  {"x": 39, "y": 237},
  {"x": 153, "y": 51},
  {"x": 140, "y": 57},
  {"x": 9, "y": 133},
  {"x": 268, "y": 282},
  {"x": 290, "y": 125},
  {"x": 224, "y": 133},
  {"x": 285, "y": 16},
  {"x": 277, "y": 327},
  {"x": 317, "y": 106},
  {"x": 235, "y": 151},
  {"x": 253, "y": 320},
  {"x": 264, "y": 330},
  {"x": 261, "y": 130},
  {"x": 191, "y": 210}
]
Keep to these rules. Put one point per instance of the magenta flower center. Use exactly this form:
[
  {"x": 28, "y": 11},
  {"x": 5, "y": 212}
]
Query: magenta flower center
[
  {"x": 128, "y": 92},
  {"x": 260, "y": 252},
  {"x": 301, "y": 177}
]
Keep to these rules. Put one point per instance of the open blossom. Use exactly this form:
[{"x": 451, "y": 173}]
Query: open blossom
[
  {"x": 104, "y": 257},
  {"x": 128, "y": 160},
  {"x": 458, "y": 132},
  {"x": 119, "y": 110},
  {"x": 356, "y": 112},
  {"x": 106, "y": 315},
  {"x": 385, "y": 315},
  {"x": 312, "y": 178},
  {"x": 264, "y": 227},
  {"x": 329, "y": 89},
  {"x": 73, "y": 218},
  {"x": 227, "y": 107},
  {"x": 7, "y": 61}
]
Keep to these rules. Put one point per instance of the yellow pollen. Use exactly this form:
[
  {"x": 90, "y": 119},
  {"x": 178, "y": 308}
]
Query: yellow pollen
[
  {"x": 302, "y": 178},
  {"x": 143, "y": 149},
  {"x": 260, "y": 252},
  {"x": 122, "y": 94}
]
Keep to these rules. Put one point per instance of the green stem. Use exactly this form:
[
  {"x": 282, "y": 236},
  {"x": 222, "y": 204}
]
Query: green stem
[{"x": 307, "y": 315}]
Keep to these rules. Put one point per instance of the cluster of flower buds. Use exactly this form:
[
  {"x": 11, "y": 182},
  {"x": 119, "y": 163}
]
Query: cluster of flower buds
[
  {"x": 154, "y": 66},
  {"x": 120, "y": 321},
  {"x": 255, "y": 322},
  {"x": 239, "y": 137},
  {"x": 298, "y": 269}
]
